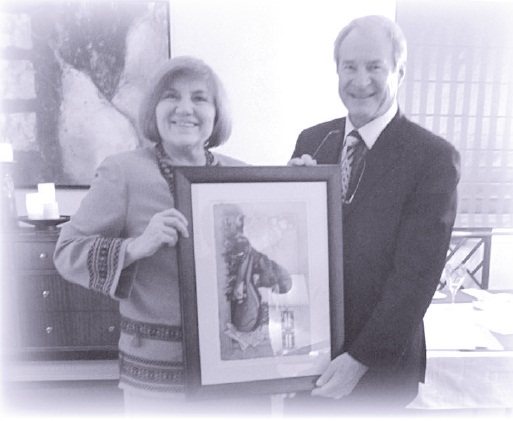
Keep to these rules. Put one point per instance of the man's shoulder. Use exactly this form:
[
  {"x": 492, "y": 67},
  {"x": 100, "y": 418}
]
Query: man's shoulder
[
  {"x": 326, "y": 126},
  {"x": 419, "y": 136},
  {"x": 406, "y": 125}
]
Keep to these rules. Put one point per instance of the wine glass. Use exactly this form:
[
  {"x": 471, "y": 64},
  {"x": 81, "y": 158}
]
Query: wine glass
[{"x": 455, "y": 275}]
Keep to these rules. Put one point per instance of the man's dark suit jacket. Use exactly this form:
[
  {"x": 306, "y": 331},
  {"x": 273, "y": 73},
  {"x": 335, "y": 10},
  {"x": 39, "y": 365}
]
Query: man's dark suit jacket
[{"x": 396, "y": 232}]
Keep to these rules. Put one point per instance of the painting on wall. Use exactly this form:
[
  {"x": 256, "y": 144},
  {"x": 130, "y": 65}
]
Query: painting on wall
[{"x": 73, "y": 74}]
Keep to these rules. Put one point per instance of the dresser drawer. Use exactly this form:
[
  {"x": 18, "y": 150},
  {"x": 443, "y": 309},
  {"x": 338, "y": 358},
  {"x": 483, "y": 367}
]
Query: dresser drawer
[
  {"x": 47, "y": 317},
  {"x": 77, "y": 329},
  {"x": 51, "y": 293},
  {"x": 34, "y": 256}
]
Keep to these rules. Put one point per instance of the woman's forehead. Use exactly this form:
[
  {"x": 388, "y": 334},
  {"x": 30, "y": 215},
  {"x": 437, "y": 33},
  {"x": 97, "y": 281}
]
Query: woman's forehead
[{"x": 193, "y": 82}]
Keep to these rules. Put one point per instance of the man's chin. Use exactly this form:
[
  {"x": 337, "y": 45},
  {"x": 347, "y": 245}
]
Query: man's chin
[
  {"x": 362, "y": 107},
  {"x": 360, "y": 117}
]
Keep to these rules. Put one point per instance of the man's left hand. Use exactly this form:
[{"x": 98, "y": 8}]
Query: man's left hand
[
  {"x": 340, "y": 378},
  {"x": 305, "y": 161}
]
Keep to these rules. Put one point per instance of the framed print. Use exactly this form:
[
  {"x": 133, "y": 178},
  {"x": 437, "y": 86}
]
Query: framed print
[
  {"x": 260, "y": 277},
  {"x": 73, "y": 74}
]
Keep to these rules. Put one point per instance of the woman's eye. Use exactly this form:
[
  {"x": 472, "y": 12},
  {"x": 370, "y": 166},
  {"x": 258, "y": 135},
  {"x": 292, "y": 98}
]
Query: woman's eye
[
  {"x": 200, "y": 98},
  {"x": 170, "y": 95}
]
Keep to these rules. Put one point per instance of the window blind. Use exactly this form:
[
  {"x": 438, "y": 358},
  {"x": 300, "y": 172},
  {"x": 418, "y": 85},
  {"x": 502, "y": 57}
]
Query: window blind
[{"x": 459, "y": 84}]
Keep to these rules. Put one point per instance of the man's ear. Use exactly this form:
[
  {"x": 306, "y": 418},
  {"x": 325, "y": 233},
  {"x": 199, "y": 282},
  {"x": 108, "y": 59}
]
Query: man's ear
[{"x": 401, "y": 73}]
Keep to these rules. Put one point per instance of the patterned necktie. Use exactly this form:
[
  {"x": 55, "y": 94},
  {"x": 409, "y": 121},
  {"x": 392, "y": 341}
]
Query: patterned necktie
[{"x": 351, "y": 149}]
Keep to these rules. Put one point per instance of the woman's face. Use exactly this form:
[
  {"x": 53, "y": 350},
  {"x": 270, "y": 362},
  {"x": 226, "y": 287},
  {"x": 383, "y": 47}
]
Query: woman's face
[{"x": 185, "y": 114}]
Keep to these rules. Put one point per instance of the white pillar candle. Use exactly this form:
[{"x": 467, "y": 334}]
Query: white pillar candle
[
  {"x": 34, "y": 205},
  {"x": 51, "y": 211},
  {"x": 47, "y": 192},
  {"x": 6, "y": 153}
]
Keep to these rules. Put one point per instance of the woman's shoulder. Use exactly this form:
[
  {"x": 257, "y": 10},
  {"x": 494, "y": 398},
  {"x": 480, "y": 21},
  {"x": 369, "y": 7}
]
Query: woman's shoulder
[
  {"x": 138, "y": 155},
  {"x": 228, "y": 161},
  {"x": 144, "y": 155},
  {"x": 134, "y": 164}
]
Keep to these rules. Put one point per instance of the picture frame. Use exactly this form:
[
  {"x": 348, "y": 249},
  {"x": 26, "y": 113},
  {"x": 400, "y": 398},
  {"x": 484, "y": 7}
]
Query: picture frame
[
  {"x": 261, "y": 277},
  {"x": 73, "y": 77}
]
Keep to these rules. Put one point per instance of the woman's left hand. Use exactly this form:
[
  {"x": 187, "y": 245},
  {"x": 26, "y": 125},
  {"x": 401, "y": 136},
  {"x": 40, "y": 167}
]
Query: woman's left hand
[{"x": 163, "y": 229}]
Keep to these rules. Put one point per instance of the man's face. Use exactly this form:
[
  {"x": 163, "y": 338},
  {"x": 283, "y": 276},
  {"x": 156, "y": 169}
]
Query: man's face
[{"x": 368, "y": 80}]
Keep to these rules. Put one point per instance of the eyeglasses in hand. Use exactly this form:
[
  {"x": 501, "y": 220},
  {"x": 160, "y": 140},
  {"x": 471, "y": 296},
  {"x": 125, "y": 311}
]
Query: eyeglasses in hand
[{"x": 348, "y": 199}]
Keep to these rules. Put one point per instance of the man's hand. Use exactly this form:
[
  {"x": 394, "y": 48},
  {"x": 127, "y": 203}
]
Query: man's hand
[
  {"x": 305, "y": 160},
  {"x": 340, "y": 378}
]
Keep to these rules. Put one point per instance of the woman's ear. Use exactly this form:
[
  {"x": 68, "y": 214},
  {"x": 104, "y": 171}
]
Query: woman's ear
[{"x": 239, "y": 223}]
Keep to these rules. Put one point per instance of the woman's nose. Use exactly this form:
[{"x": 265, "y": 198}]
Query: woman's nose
[{"x": 184, "y": 106}]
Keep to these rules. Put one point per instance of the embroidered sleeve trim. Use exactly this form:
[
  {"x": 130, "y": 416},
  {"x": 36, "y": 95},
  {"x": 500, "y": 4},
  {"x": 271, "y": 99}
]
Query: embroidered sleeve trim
[
  {"x": 149, "y": 374},
  {"x": 167, "y": 388},
  {"x": 102, "y": 263},
  {"x": 153, "y": 331}
]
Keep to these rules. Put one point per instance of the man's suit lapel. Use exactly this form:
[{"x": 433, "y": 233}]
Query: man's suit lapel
[
  {"x": 329, "y": 152},
  {"x": 383, "y": 157}
]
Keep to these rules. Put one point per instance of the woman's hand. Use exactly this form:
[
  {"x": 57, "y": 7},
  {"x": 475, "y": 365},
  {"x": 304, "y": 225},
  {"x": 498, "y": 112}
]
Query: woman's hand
[
  {"x": 305, "y": 160},
  {"x": 162, "y": 230}
]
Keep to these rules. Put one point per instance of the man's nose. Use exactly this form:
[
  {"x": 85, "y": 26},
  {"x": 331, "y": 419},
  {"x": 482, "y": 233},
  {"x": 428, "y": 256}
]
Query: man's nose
[{"x": 361, "y": 77}]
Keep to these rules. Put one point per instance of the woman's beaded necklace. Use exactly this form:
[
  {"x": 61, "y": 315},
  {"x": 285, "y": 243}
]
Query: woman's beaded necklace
[{"x": 166, "y": 169}]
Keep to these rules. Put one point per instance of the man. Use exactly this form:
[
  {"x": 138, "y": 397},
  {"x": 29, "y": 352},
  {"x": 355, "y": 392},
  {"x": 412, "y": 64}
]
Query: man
[{"x": 399, "y": 207}]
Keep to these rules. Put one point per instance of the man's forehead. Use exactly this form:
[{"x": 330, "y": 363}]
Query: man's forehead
[{"x": 362, "y": 46}]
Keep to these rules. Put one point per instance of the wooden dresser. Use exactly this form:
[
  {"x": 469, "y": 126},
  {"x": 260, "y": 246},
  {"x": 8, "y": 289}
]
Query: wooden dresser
[{"x": 46, "y": 318}]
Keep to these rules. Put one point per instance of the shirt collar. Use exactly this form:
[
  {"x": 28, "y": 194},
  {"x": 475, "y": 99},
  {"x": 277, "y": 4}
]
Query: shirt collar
[{"x": 371, "y": 131}]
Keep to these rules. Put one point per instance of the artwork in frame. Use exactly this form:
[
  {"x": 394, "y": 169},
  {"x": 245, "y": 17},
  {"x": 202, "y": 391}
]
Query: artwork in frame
[
  {"x": 73, "y": 74},
  {"x": 258, "y": 276}
]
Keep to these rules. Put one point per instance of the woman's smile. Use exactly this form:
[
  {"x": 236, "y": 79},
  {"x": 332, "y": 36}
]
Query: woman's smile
[
  {"x": 186, "y": 124},
  {"x": 185, "y": 115}
]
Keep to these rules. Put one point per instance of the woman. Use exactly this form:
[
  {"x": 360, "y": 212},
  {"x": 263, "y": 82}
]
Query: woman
[{"x": 121, "y": 242}]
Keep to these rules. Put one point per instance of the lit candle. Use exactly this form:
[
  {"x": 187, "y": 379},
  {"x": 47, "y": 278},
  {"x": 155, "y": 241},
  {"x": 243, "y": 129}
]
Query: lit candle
[
  {"x": 6, "y": 153},
  {"x": 51, "y": 211},
  {"x": 34, "y": 205},
  {"x": 47, "y": 195},
  {"x": 47, "y": 192}
]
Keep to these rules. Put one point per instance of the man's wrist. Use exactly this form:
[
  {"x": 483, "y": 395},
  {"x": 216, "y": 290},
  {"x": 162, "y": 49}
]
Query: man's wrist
[{"x": 361, "y": 367}]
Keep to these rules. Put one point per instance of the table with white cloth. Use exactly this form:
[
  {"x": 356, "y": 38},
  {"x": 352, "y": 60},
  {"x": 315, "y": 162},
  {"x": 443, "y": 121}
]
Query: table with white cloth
[{"x": 470, "y": 352}]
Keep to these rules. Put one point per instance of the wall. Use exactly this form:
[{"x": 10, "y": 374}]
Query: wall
[
  {"x": 275, "y": 58},
  {"x": 501, "y": 269}
]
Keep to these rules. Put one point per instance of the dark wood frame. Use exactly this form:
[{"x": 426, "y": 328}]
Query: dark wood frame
[{"x": 184, "y": 178}]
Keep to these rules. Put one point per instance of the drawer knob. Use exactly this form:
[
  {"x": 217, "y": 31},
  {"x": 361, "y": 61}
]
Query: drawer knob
[
  {"x": 43, "y": 256},
  {"x": 49, "y": 329},
  {"x": 46, "y": 293},
  {"x": 111, "y": 329}
]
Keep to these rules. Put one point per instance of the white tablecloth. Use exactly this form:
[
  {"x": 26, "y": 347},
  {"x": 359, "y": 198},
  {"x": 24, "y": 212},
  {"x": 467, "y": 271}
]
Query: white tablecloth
[
  {"x": 474, "y": 370},
  {"x": 473, "y": 380}
]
